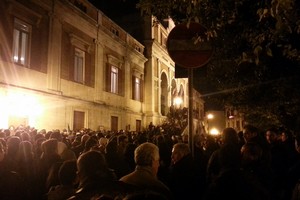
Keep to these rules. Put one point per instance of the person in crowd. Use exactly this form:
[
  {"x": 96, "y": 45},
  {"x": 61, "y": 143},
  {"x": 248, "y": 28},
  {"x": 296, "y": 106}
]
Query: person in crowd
[
  {"x": 91, "y": 143},
  {"x": 254, "y": 170},
  {"x": 292, "y": 180},
  {"x": 283, "y": 157},
  {"x": 116, "y": 161},
  {"x": 231, "y": 182},
  {"x": 102, "y": 144},
  {"x": 122, "y": 141},
  {"x": 97, "y": 180},
  {"x": 129, "y": 154},
  {"x": 79, "y": 148},
  {"x": 68, "y": 182},
  {"x": 12, "y": 151},
  {"x": 144, "y": 176},
  {"x": 253, "y": 135},
  {"x": 27, "y": 168},
  {"x": 209, "y": 145},
  {"x": 37, "y": 146},
  {"x": 12, "y": 185},
  {"x": 184, "y": 178},
  {"x": 49, "y": 159},
  {"x": 165, "y": 151},
  {"x": 229, "y": 139},
  {"x": 61, "y": 146}
]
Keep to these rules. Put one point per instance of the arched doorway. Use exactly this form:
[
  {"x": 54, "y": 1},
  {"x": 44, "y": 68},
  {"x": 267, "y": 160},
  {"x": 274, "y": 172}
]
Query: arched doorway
[{"x": 164, "y": 94}]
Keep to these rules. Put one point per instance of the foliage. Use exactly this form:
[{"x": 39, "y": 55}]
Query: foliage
[
  {"x": 176, "y": 121},
  {"x": 256, "y": 59}
]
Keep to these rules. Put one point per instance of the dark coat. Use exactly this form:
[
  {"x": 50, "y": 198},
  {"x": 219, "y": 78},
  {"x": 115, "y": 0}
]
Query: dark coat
[
  {"x": 97, "y": 189},
  {"x": 184, "y": 179}
]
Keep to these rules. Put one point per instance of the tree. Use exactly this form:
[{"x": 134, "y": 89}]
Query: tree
[
  {"x": 255, "y": 66},
  {"x": 176, "y": 121}
]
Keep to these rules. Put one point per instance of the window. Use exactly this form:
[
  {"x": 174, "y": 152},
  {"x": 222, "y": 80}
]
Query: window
[
  {"x": 79, "y": 61},
  {"x": 21, "y": 39},
  {"x": 114, "y": 75},
  {"x": 136, "y": 89}
]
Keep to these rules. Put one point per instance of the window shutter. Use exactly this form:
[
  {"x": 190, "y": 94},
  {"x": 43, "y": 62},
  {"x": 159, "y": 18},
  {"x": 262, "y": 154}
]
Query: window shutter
[
  {"x": 107, "y": 78},
  {"x": 71, "y": 62},
  {"x": 142, "y": 90},
  {"x": 89, "y": 70},
  {"x": 121, "y": 83},
  {"x": 35, "y": 50},
  {"x": 66, "y": 56},
  {"x": 133, "y": 87}
]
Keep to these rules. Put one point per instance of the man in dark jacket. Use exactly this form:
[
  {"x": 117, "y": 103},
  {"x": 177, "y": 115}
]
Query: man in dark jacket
[
  {"x": 96, "y": 180},
  {"x": 184, "y": 181}
]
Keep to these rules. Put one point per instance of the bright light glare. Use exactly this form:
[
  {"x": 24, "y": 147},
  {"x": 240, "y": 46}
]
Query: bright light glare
[
  {"x": 177, "y": 101},
  {"x": 19, "y": 105},
  {"x": 210, "y": 116},
  {"x": 214, "y": 131}
]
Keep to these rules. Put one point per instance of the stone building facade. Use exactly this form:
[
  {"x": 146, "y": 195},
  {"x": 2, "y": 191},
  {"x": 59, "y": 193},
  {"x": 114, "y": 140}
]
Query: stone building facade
[{"x": 64, "y": 63}]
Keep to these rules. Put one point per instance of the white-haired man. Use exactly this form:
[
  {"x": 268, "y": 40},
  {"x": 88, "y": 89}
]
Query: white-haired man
[{"x": 144, "y": 176}]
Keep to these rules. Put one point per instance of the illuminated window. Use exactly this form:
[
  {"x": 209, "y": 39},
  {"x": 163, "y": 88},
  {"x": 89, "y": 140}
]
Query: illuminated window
[
  {"x": 114, "y": 75},
  {"x": 79, "y": 60},
  {"x": 21, "y": 38},
  {"x": 136, "y": 89}
]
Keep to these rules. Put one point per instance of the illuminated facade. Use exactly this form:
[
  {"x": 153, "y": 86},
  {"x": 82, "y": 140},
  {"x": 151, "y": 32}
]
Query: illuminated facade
[
  {"x": 63, "y": 63},
  {"x": 234, "y": 118}
]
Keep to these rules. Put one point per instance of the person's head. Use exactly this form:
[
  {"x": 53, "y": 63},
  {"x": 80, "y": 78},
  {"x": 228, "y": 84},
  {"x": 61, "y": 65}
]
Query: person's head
[
  {"x": 271, "y": 135},
  {"x": 147, "y": 154},
  {"x": 57, "y": 135},
  {"x": 103, "y": 141},
  {"x": 92, "y": 165},
  {"x": 179, "y": 151},
  {"x": 122, "y": 140},
  {"x": 49, "y": 147},
  {"x": 230, "y": 136},
  {"x": 84, "y": 138},
  {"x": 25, "y": 150},
  {"x": 68, "y": 172},
  {"x": 297, "y": 142},
  {"x": 286, "y": 135},
  {"x": 249, "y": 132},
  {"x": 90, "y": 143},
  {"x": 24, "y": 136},
  {"x": 13, "y": 145}
]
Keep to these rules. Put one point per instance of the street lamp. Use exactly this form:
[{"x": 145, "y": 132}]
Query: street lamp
[
  {"x": 214, "y": 132},
  {"x": 177, "y": 101}
]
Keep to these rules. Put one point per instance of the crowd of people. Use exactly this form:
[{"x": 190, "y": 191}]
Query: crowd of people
[{"x": 251, "y": 164}]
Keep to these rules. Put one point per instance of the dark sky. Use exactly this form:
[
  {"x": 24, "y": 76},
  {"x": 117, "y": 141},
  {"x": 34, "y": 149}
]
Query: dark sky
[{"x": 113, "y": 8}]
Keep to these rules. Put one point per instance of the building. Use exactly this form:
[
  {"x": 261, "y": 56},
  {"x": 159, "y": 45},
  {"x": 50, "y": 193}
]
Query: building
[
  {"x": 234, "y": 118},
  {"x": 64, "y": 63}
]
